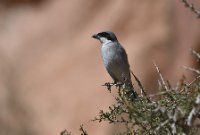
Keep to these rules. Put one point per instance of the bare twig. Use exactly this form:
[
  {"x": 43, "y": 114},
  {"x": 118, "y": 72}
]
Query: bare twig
[
  {"x": 193, "y": 81},
  {"x": 195, "y": 53},
  {"x": 192, "y": 69},
  {"x": 158, "y": 94},
  {"x": 161, "y": 125},
  {"x": 197, "y": 78},
  {"x": 173, "y": 124},
  {"x": 143, "y": 93},
  {"x": 194, "y": 111},
  {"x": 191, "y": 7},
  {"x": 161, "y": 77}
]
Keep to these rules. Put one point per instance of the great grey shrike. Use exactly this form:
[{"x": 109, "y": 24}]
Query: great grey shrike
[{"x": 115, "y": 59}]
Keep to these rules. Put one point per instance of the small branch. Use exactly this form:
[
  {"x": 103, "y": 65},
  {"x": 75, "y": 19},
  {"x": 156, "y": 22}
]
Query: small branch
[
  {"x": 197, "y": 78},
  {"x": 194, "y": 80},
  {"x": 191, "y": 7},
  {"x": 161, "y": 77},
  {"x": 162, "y": 124},
  {"x": 143, "y": 93},
  {"x": 173, "y": 124},
  {"x": 192, "y": 69},
  {"x": 195, "y": 53},
  {"x": 158, "y": 94},
  {"x": 194, "y": 111}
]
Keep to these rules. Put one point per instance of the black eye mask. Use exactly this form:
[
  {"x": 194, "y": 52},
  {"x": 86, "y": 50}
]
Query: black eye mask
[{"x": 108, "y": 35}]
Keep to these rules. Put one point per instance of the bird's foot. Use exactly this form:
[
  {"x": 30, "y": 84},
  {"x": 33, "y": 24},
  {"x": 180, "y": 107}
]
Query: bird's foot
[
  {"x": 119, "y": 84},
  {"x": 108, "y": 85}
]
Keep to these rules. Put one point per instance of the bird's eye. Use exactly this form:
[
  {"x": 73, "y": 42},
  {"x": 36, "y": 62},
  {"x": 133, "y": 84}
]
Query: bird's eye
[{"x": 109, "y": 38}]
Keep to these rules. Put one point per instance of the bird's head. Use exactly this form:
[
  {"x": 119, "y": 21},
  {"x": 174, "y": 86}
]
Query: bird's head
[{"x": 105, "y": 37}]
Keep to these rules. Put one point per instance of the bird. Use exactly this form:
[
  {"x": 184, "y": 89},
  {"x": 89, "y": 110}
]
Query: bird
[{"x": 115, "y": 59}]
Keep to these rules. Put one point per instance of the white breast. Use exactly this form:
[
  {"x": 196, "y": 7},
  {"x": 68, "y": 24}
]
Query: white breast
[
  {"x": 115, "y": 61},
  {"x": 108, "y": 52}
]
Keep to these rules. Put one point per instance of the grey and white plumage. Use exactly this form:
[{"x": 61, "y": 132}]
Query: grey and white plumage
[{"x": 114, "y": 58}]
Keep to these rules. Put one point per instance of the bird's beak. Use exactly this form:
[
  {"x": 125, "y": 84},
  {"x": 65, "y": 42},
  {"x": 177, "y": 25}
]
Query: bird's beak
[{"x": 95, "y": 36}]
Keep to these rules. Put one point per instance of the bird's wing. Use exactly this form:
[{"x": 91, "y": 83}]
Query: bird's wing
[{"x": 123, "y": 62}]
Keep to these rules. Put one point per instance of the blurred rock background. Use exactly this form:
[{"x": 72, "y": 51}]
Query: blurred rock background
[{"x": 51, "y": 70}]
